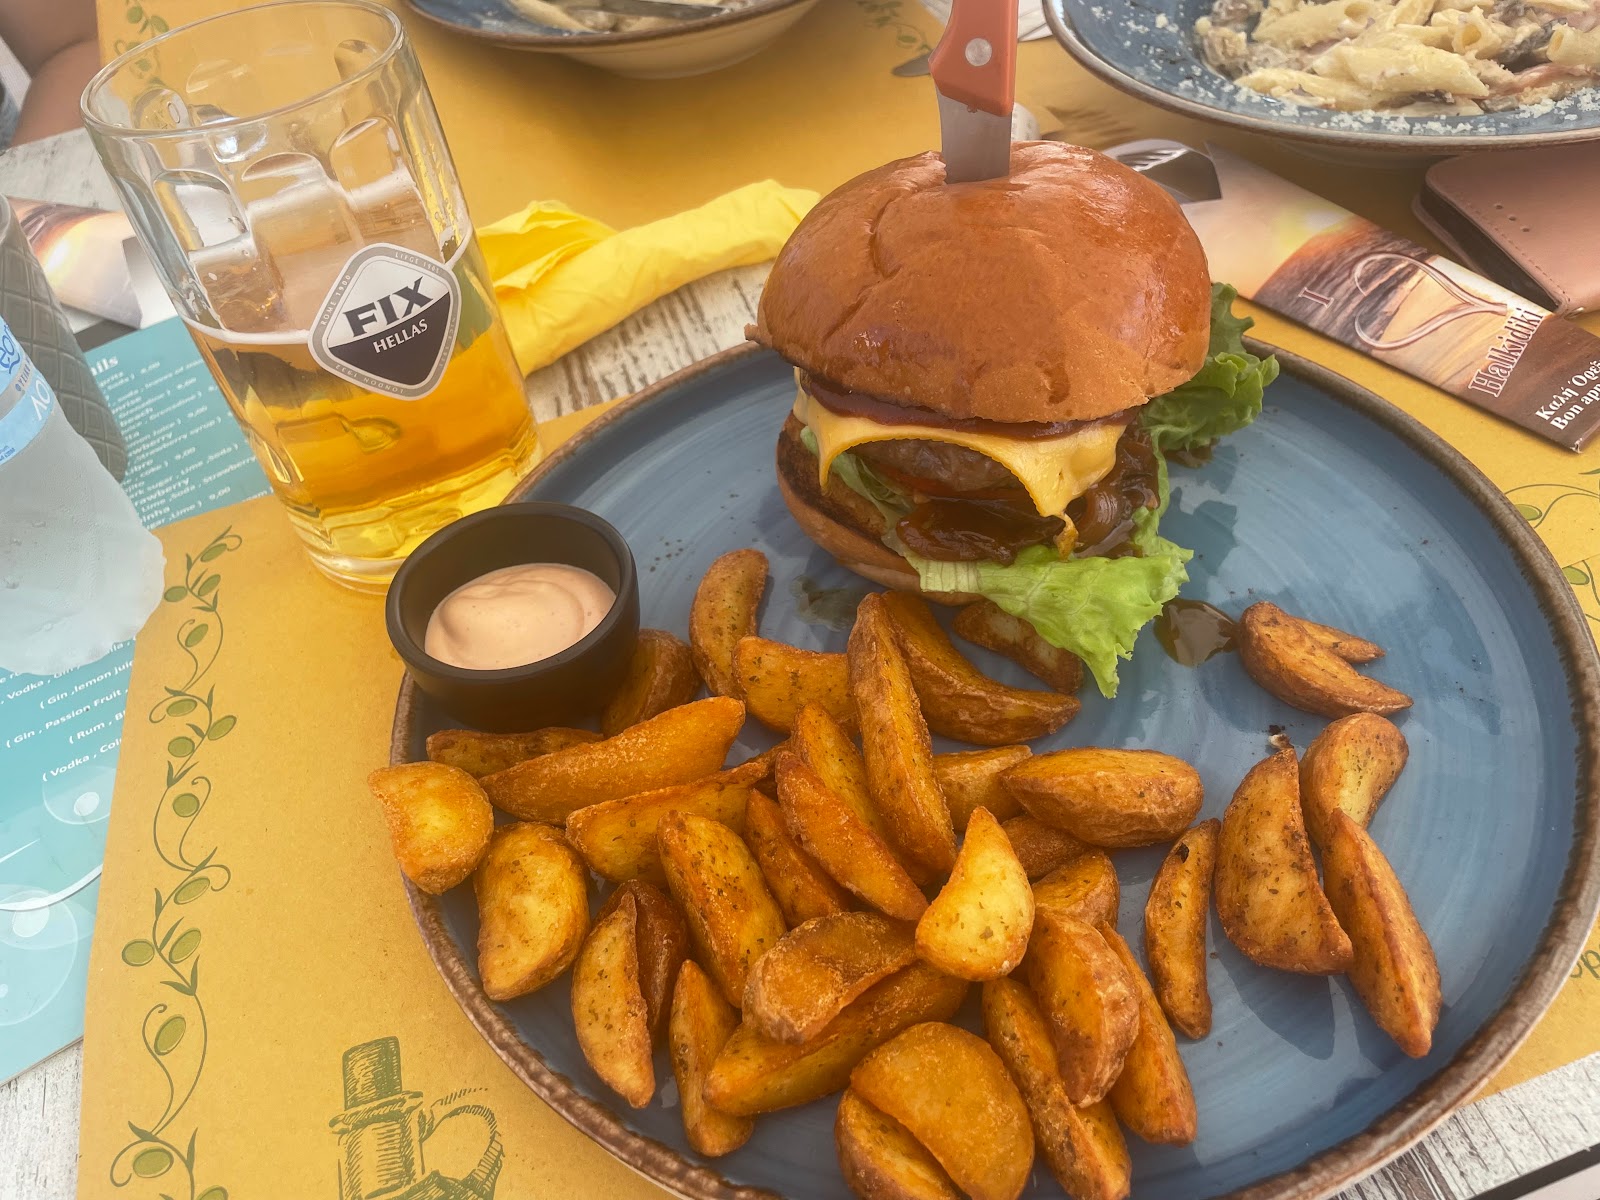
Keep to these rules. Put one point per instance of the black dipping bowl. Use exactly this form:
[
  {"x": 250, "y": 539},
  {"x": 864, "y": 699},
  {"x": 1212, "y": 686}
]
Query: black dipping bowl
[{"x": 558, "y": 690}]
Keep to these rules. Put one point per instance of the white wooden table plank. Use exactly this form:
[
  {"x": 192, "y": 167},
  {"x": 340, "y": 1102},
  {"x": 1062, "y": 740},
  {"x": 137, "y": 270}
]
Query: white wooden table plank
[{"x": 1474, "y": 1151}]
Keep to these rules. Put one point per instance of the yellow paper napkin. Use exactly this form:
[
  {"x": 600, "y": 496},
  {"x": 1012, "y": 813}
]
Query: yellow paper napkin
[{"x": 562, "y": 278}]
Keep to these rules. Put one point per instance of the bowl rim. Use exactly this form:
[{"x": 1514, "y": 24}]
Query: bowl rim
[
  {"x": 1562, "y": 939},
  {"x": 416, "y": 658},
  {"x": 1421, "y": 142},
  {"x": 559, "y": 41}
]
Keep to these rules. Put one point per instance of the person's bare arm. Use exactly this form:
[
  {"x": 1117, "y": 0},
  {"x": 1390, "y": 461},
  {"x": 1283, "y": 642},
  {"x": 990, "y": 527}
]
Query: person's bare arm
[{"x": 55, "y": 42}]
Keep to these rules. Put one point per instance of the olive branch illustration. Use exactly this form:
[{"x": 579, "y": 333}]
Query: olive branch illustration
[
  {"x": 173, "y": 940},
  {"x": 146, "y": 25},
  {"x": 885, "y": 14},
  {"x": 1536, "y": 502}
]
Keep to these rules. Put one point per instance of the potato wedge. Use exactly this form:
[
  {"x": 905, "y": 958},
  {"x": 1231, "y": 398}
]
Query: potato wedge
[
  {"x": 828, "y": 749},
  {"x": 977, "y": 926},
  {"x": 701, "y": 1023},
  {"x": 733, "y": 919},
  {"x": 608, "y": 1007},
  {"x": 1267, "y": 895},
  {"x": 480, "y": 754},
  {"x": 953, "y": 1094},
  {"x": 894, "y": 741},
  {"x": 1083, "y": 1146},
  {"x": 617, "y": 838},
  {"x": 757, "y": 1074},
  {"x": 439, "y": 821},
  {"x": 1394, "y": 971},
  {"x": 533, "y": 909},
  {"x": 960, "y": 701},
  {"x": 988, "y": 625},
  {"x": 663, "y": 941},
  {"x": 778, "y": 680},
  {"x": 1152, "y": 1097},
  {"x": 1175, "y": 918},
  {"x": 880, "y": 1160},
  {"x": 970, "y": 779},
  {"x": 1109, "y": 797},
  {"x": 660, "y": 676},
  {"x": 684, "y": 743},
  {"x": 805, "y": 980},
  {"x": 797, "y": 882},
  {"x": 724, "y": 610},
  {"x": 1305, "y": 664},
  {"x": 1086, "y": 889},
  {"x": 829, "y": 831},
  {"x": 1088, "y": 1000},
  {"x": 1041, "y": 848},
  {"x": 1351, "y": 765}
]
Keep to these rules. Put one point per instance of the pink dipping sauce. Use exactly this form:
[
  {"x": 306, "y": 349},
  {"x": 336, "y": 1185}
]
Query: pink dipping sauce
[{"x": 516, "y": 616}]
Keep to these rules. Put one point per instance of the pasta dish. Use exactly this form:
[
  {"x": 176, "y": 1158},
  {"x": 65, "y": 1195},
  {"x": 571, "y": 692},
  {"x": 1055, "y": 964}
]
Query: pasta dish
[{"x": 1407, "y": 57}]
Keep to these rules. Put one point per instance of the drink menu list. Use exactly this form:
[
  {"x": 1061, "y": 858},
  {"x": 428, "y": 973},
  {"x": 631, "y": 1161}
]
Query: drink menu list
[{"x": 59, "y": 734}]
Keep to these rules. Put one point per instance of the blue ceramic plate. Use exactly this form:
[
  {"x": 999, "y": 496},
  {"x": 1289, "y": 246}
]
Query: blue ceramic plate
[
  {"x": 1148, "y": 48},
  {"x": 1333, "y": 505},
  {"x": 497, "y": 21}
]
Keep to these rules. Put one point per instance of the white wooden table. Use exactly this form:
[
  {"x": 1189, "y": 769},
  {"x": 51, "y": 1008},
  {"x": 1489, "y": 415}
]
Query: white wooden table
[{"x": 1470, "y": 1155}]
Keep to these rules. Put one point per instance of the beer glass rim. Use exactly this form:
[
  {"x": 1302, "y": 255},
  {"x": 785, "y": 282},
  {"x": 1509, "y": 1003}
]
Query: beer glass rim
[{"x": 102, "y": 78}]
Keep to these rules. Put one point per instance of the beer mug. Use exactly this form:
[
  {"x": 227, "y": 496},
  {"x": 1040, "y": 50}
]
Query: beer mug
[{"x": 285, "y": 169}]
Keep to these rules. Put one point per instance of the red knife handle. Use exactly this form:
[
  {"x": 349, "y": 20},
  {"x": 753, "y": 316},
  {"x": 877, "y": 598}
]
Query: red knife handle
[{"x": 976, "y": 59}]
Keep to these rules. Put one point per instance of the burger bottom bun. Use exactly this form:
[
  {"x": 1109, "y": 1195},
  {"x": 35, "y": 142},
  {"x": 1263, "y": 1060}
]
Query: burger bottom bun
[{"x": 844, "y": 524}]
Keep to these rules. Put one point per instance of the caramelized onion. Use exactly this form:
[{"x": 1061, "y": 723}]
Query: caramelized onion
[
  {"x": 951, "y": 530},
  {"x": 1104, "y": 514}
]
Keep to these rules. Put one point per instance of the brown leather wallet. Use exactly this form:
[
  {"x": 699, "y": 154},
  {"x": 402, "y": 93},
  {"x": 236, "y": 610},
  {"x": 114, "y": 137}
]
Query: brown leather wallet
[{"x": 1519, "y": 217}]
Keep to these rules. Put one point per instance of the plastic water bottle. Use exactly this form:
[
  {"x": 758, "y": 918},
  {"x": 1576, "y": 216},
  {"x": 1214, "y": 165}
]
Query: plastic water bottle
[{"x": 78, "y": 572}]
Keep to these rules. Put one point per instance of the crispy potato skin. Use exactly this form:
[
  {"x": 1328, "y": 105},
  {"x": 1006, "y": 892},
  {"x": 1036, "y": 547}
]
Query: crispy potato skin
[
  {"x": 733, "y": 919},
  {"x": 617, "y": 838},
  {"x": 679, "y": 745},
  {"x": 1109, "y": 797},
  {"x": 608, "y": 1007},
  {"x": 1308, "y": 665},
  {"x": 1083, "y": 1146},
  {"x": 970, "y": 779},
  {"x": 439, "y": 821},
  {"x": 1152, "y": 1096},
  {"x": 700, "y": 1025},
  {"x": 797, "y": 882},
  {"x": 953, "y": 1094},
  {"x": 778, "y": 680},
  {"x": 895, "y": 743},
  {"x": 1086, "y": 889},
  {"x": 845, "y": 846},
  {"x": 660, "y": 676},
  {"x": 880, "y": 1160},
  {"x": 1394, "y": 971},
  {"x": 480, "y": 754},
  {"x": 1041, "y": 848},
  {"x": 1088, "y": 1000},
  {"x": 1175, "y": 917},
  {"x": 1265, "y": 886},
  {"x": 977, "y": 927},
  {"x": 533, "y": 909},
  {"x": 663, "y": 940},
  {"x": 755, "y": 1074},
  {"x": 724, "y": 610},
  {"x": 958, "y": 700},
  {"x": 1351, "y": 765},
  {"x": 988, "y": 625},
  {"x": 806, "y": 980}
]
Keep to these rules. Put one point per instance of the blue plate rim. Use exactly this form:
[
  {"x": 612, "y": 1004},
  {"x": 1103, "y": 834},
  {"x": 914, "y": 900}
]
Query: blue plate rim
[
  {"x": 1420, "y": 142},
  {"x": 556, "y": 40},
  {"x": 1572, "y": 917}
]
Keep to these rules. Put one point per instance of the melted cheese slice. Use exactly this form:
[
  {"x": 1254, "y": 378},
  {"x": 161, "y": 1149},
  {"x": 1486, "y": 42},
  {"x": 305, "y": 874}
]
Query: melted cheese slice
[{"x": 1054, "y": 470}]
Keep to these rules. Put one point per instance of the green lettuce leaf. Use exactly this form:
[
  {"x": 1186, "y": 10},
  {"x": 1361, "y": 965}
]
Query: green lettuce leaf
[{"x": 1223, "y": 397}]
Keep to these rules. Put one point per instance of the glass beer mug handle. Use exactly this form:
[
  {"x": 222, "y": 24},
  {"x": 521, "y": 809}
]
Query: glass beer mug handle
[{"x": 481, "y": 1179}]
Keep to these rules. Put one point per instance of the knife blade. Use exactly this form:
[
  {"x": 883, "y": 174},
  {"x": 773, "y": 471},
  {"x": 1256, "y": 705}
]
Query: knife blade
[{"x": 974, "y": 69}]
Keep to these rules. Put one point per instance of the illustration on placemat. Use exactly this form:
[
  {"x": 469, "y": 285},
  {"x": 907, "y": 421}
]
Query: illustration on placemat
[
  {"x": 1537, "y": 502},
  {"x": 384, "y": 1129}
]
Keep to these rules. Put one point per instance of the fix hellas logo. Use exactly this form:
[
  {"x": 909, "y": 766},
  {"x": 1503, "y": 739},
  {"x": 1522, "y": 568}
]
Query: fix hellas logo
[{"x": 389, "y": 322}]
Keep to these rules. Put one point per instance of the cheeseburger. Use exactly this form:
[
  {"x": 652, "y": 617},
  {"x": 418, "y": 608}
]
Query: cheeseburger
[{"x": 992, "y": 376}]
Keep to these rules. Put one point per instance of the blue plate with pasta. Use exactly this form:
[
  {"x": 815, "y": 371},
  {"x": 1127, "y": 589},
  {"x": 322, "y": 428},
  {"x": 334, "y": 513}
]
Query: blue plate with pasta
[{"x": 1377, "y": 75}]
